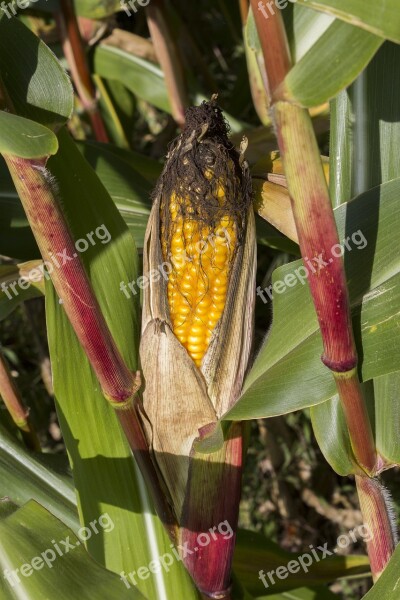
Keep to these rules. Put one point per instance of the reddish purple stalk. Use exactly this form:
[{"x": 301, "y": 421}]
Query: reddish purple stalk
[
  {"x": 38, "y": 194},
  {"x": 210, "y": 516},
  {"x": 319, "y": 240},
  {"x": 15, "y": 406}
]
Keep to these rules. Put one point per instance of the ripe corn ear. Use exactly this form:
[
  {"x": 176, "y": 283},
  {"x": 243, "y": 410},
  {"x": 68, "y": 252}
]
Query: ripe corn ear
[{"x": 197, "y": 330}]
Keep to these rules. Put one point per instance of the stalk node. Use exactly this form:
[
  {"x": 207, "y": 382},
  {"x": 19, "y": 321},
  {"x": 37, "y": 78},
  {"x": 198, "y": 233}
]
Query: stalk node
[
  {"x": 120, "y": 403},
  {"x": 342, "y": 367},
  {"x": 222, "y": 595}
]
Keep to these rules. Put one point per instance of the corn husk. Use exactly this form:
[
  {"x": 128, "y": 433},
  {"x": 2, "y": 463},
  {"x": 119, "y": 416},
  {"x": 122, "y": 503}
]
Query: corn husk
[{"x": 182, "y": 403}]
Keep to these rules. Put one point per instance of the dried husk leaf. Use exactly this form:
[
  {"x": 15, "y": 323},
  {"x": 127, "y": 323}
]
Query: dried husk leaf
[
  {"x": 176, "y": 404},
  {"x": 272, "y": 203}
]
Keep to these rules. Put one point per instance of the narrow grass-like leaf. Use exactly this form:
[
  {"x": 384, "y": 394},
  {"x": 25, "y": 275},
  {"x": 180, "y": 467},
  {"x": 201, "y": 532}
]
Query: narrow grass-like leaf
[
  {"x": 44, "y": 478},
  {"x": 346, "y": 49},
  {"x": 255, "y": 553},
  {"x": 302, "y": 594},
  {"x": 382, "y": 19},
  {"x": 121, "y": 174},
  {"x": 332, "y": 435},
  {"x": 387, "y": 409},
  {"x": 11, "y": 292},
  {"x": 148, "y": 168},
  {"x": 141, "y": 77},
  {"x": 304, "y": 27}
]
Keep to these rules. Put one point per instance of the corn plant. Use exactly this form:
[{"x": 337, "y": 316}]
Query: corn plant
[{"x": 244, "y": 276}]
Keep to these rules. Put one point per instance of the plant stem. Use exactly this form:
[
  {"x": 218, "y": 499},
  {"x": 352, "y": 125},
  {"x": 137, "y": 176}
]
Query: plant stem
[
  {"x": 275, "y": 48},
  {"x": 119, "y": 385},
  {"x": 376, "y": 511},
  {"x": 15, "y": 406},
  {"x": 39, "y": 197},
  {"x": 357, "y": 418},
  {"x": 130, "y": 422},
  {"x": 74, "y": 52},
  {"x": 169, "y": 59},
  {"x": 223, "y": 596},
  {"x": 319, "y": 241},
  {"x": 244, "y": 10},
  {"x": 212, "y": 496}
]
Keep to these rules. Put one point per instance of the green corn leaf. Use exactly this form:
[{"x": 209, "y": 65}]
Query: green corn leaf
[
  {"x": 288, "y": 374},
  {"x": 25, "y": 138},
  {"x": 148, "y": 168},
  {"x": 387, "y": 424},
  {"x": 387, "y": 586},
  {"x": 302, "y": 594},
  {"x": 382, "y": 19},
  {"x": 36, "y": 83},
  {"x": 44, "y": 478},
  {"x": 304, "y": 28},
  {"x": 31, "y": 540},
  {"x": 105, "y": 475},
  {"x": 11, "y": 292},
  {"x": 254, "y": 553},
  {"x": 141, "y": 77},
  {"x": 330, "y": 429},
  {"x": 121, "y": 174},
  {"x": 331, "y": 64}
]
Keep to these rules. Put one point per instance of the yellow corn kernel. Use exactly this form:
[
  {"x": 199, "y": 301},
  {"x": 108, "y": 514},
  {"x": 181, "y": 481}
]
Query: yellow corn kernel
[{"x": 197, "y": 286}]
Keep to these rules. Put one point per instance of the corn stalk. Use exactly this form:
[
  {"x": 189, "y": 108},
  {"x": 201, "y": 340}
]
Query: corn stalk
[
  {"x": 15, "y": 406},
  {"x": 74, "y": 52},
  {"x": 317, "y": 233}
]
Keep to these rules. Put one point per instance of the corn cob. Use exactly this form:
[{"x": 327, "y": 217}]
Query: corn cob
[
  {"x": 200, "y": 232},
  {"x": 197, "y": 286}
]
